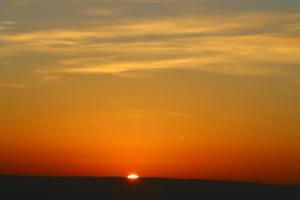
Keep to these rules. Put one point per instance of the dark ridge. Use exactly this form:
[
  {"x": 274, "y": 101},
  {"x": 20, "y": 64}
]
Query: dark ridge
[{"x": 77, "y": 188}]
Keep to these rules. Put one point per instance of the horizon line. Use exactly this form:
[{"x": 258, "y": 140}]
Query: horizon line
[{"x": 155, "y": 177}]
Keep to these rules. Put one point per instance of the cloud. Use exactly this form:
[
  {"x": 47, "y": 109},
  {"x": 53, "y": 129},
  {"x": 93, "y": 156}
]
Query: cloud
[
  {"x": 108, "y": 38},
  {"x": 99, "y": 11},
  {"x": 6, "y": 25},
  {"x": 14, "y": 85}
]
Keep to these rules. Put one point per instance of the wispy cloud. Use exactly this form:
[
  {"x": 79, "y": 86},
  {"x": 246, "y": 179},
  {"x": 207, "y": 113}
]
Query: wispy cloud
[
  {"x": 99, "y": 11},
  {"x": 244, "y": 42},
  {"x": 14, "y": 85},
  {"x": 6, "y": 25}
]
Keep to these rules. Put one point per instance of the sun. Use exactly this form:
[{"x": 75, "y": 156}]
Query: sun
[{"x": 133, "y": 177}]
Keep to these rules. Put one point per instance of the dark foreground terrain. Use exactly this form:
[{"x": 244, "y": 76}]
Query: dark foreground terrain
[{"x": 31, "y": 188}]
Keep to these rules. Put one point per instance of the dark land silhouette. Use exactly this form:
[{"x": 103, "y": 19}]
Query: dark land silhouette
[{"x": 85, "y": 188}]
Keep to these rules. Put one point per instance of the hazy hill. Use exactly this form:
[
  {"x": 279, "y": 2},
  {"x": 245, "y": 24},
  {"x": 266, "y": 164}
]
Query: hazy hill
[{"x": 13, "y": 187}]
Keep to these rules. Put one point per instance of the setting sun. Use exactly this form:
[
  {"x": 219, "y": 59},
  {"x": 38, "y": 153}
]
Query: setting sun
[{"x": 132, "y": 177}]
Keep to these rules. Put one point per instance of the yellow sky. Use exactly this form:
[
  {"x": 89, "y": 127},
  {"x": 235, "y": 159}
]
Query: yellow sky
[{"x": 189, "y": 89}]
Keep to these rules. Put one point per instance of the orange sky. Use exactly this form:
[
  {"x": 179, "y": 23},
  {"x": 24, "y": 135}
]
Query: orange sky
[{"x": 194, "y": 89}]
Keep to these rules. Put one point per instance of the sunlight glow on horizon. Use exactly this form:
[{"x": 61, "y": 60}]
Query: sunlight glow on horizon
[{"x": 132, "y": 177}]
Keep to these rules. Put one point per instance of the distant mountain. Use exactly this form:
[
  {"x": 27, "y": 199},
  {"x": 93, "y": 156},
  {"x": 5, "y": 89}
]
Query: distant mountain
[{"x": 88, "y": 188}]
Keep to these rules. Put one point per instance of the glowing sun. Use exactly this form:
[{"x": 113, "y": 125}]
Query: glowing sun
[{"x": 133, "y": 177}]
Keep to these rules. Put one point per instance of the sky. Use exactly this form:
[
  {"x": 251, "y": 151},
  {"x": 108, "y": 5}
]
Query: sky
[{"x": 201, "y": 89}]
